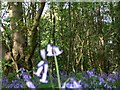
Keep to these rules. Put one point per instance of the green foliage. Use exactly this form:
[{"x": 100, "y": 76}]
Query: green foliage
[
  {"x": 79, "y": 76},
  {"x": 73, "y": 27},
  {"x": 81, "y": 44}
]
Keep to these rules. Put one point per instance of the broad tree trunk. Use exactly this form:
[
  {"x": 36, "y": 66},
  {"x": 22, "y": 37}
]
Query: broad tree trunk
[
  {"x": 15, "y": 12},
  {"x": 20, "y": 55}
]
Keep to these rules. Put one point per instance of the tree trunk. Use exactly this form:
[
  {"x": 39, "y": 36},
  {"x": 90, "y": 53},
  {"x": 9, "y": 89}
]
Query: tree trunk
[
  {"x": 28, "y": 58},
  {"x": 20, "y": 56},
  {"x": 15, "y": 12},
  {"x": 102, "y": 58}
]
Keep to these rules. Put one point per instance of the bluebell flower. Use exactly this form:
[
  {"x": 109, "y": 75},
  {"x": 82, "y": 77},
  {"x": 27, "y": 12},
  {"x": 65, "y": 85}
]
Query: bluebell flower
[
  {"x": 18, "y": 85},
  {"x": 44, "y": 76},
  {"x": 24, "y": 75},
  {"x": 86, "y": 85},
  {"x": 116, "y": 76},
  {"x": 111, "y": 78},
  {"x": 15, "y": 84},
  {"x": 27, "y": 77},
  {"x": 72, "y": 84},
  {"x": 64, "y": 85},
  {"x": 90, "y": 73},
  {"x": 22, "y": 72},
  {"x": 49, "y": 50},
  {"x": 10, "y": 85},
  {"x": 106, "y": 84},
  {"x": 101, "y": 80},
  {"x": 109, "y": 87},
  {"x": 5, "y": 82},
  {"x": 43, "y": 54},
  {"x": 40, "y": 68},
  {"x": 22, "y": 69},
  {"x": 76, "y": 84},
  {"x": 14, "y": 81},
  {"x": 53, "y": 50},
  {"x": 42, "y": 65},
  {"x": 39, "y": 71},
  {"x": 56, "y": 51},
  {"x": 30, "y": 84}
]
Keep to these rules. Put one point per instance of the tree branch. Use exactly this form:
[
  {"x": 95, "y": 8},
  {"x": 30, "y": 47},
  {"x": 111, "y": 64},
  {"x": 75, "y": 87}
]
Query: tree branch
[{"x": 34, "y": 31}]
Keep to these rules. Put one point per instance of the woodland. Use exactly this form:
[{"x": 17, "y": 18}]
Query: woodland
[{"x": 88, "y": 33}]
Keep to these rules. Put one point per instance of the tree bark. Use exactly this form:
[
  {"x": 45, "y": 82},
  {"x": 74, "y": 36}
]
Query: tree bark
[
  {"x": 102, "y": 58},
  {"x": 15, "y": 13},
  {"x": 18, "y": 51},
  {"x": 34, "y": 36}
]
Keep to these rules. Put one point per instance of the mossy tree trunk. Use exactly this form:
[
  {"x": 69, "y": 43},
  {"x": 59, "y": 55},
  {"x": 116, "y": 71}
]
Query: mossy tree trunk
[
  {"x": 20, "y": 55},
  {"x": 15, "y": 13}
]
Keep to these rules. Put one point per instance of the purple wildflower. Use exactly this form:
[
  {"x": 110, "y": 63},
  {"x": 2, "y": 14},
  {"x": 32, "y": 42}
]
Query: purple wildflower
[
  {"x": 38, "y": 73},
  {"x": 90, "y": 73},
  {"x": 10, "y": 86},
  {"x": 4, "y": 82},
  {"x": 72, "y": 84},
  {"x": 56, "y": 51},
  {"x": 22, "y": 69},
  {"x": 64, "y": 85},
  {"x": 43, "y": 54},
  {"x": 101, "y": 80},
  {"x": 53, "y": 50},
  {"x": 42, "y": 65},
  {"x": 27, "y": 77},
  {"x": 15, "y": 84},
  {"x": 30, "y": 84},
  {"x": 44, "y": 76},
  {"x": 49, "y": 50},
  {"x": 18, "y": 85}
]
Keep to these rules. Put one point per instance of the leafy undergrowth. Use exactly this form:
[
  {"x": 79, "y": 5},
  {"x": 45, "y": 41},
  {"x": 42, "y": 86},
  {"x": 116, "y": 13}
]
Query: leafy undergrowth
[{"x": 87, "y": 79}]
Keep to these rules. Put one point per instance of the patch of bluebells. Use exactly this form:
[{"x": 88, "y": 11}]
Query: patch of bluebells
[
  {"x": 92, "y": 81},
  {"x": 15, "y": 84},
  {"x": 27, "y": 78},
  {"x": 5, "y": 82},
  {"x": 87, "y": 79},
  {"x": 24, "y": 75},
  {"x": 71, "y": 84},
  {"x": 18, "y": 83}
]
